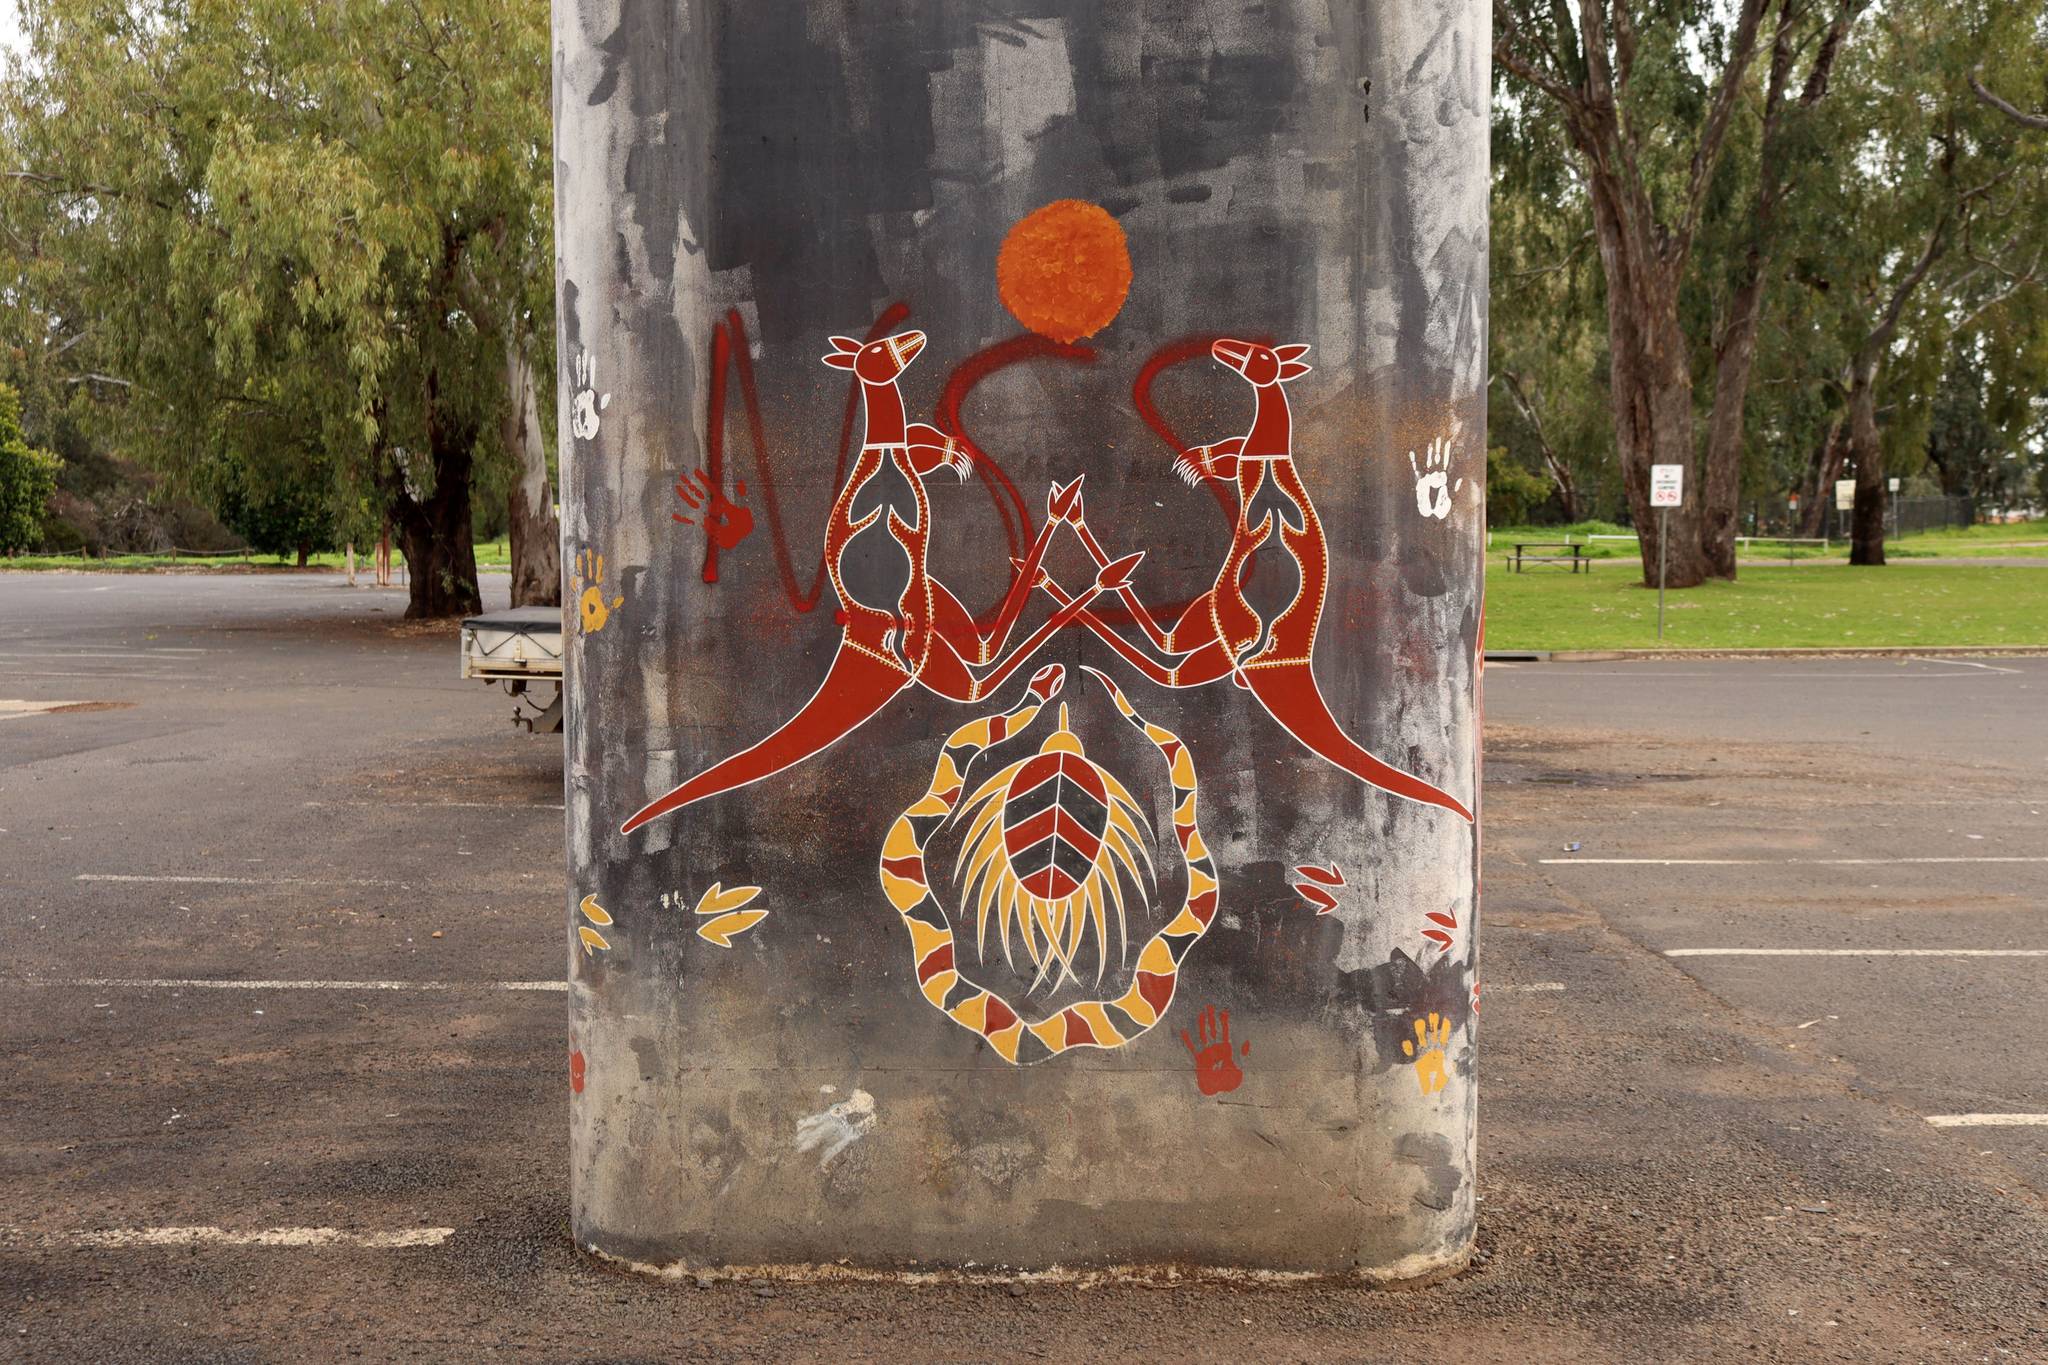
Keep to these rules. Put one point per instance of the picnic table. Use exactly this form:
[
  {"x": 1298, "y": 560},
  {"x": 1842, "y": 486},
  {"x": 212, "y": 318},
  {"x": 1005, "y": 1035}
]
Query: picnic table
[{"x": 1549, "y": 552}]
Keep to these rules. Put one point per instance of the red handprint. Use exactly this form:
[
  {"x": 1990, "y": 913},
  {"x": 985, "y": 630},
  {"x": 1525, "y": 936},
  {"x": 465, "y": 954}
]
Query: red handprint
[
  {"x": 1216, "y": 1071},
  {"x": 726, "y": 522}
]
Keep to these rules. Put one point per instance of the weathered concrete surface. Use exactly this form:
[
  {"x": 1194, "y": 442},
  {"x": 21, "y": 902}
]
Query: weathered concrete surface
[{"x": 764, "y": 177}]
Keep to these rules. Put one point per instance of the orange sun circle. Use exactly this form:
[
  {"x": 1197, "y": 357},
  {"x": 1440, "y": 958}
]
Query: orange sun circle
[{"x": 1064, "y": 270}]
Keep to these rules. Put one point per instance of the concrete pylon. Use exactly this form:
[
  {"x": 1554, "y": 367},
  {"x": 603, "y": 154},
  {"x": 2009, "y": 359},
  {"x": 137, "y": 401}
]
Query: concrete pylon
[{"x": 1023, "y": 469}]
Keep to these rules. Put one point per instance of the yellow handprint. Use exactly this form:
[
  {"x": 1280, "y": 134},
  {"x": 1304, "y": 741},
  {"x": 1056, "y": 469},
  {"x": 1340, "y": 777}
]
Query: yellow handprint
[
  {"x": 1431, "y": 1038},
  {"x": 590, "y": 601}
]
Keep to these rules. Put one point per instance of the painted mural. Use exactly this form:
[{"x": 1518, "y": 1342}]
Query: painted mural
[
  {"x": 1053, "y": 856},
  {"x": 1033, "y": 723},
  {"x": 1053, "y": 844}
]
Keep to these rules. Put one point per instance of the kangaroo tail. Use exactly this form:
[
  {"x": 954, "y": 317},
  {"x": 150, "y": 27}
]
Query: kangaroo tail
[
  {"x": 855, "y": 688},
  {"x": 1290, "y": 695}
]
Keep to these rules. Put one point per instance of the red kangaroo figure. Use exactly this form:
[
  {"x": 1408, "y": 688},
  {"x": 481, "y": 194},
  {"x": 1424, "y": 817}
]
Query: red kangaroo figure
[
  {"x": 1260, "y": 641},
  {"x": 892, "y": 636}
]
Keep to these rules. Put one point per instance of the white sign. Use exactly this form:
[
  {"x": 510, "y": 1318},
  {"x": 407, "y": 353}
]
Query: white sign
[
  {"x": 1845, "y": 495},
  {"x": 1667, "y": 485},
  {"x": 1893, "y": 485}
]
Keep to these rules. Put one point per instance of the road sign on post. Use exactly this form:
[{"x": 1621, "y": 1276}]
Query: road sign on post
[
  {"x": 1667, "y": 490},
  {"x": 856, "y": 758}
]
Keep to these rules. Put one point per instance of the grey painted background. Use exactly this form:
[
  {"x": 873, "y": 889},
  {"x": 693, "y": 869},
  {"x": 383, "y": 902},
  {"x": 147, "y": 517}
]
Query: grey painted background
[{"x": 1300, "y": 170}]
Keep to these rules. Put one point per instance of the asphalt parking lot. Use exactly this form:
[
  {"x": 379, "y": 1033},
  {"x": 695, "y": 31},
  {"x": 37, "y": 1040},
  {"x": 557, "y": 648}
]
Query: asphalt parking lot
[{"x": 1765, "y": 961}]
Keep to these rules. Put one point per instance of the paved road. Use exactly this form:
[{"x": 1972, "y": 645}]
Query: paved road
[{"x": 1698, "y": 1157}]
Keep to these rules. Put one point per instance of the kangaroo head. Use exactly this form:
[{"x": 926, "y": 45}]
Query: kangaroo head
[
  {"x": 1262, "y": 365},
  {"x": 878, "y": 362}
]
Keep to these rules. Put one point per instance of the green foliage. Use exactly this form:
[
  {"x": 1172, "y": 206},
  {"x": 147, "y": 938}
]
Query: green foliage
[
  {"x": 278, "y": 518},
  {"x": 1899, "y": 152},
  {"x": 1511, "y": 490},
  {"x": 291, "y": 241},
  {"x": 27, "y": 479}
]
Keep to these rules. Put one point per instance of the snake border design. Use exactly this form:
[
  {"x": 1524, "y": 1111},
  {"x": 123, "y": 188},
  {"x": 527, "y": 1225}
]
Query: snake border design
[{"x": 1099, "y": 1023}]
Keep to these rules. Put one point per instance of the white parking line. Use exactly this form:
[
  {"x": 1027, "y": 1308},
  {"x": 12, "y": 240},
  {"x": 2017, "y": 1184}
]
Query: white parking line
[
  {"x": 200, "y": 983},
  {"x": 67, "y": 655},
  {"x": 1988, "y": 1120},
  {"x": 106, "y": 674},
  {"x": 233, "y": 881},
  {"x": 1964, "y": 663},
  {"x": 1856, "y": 952},
  {"x": 213, "y": 1236},
  {"x": 1527, "y": 986},
  {"x": 1775, "y": 862}
]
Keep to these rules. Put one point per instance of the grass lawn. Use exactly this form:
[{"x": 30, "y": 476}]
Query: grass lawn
[
  {"x": 2028, "y": 539},
  {"x": 2020, "y": 539},
  {"x": 1817, "y": 605},
  {"x": 490, "y": 554}
]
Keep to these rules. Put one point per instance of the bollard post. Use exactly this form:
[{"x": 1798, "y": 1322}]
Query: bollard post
[{"x": 1022, "y": 504}]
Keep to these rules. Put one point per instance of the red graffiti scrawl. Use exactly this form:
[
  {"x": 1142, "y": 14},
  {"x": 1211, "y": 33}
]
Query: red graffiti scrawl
[
  {"x": 1265, "y": 646},
  {"x": 898, "y": 631}
]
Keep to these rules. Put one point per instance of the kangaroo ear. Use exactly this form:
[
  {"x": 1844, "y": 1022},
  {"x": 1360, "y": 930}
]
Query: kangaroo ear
[
  {"x": 839, "y": 360},
  {"x": 845, "y": 344},
  {"x": 1293, "y": 369},
  {"x": 1294, "y": 352}
]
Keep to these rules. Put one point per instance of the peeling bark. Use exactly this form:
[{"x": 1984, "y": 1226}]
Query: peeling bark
[{"x": 534, "y": 531}]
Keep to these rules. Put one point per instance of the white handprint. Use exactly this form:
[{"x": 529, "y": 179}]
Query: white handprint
[
  {"x": 588, "y": 403},
  {"x": 1433, "y": 486}
]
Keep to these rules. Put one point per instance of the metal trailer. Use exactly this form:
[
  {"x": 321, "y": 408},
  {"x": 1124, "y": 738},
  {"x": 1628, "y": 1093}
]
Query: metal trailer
[{"x": 522, "y": 650}]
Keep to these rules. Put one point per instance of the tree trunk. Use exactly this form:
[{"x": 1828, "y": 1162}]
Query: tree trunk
[
  {"x": 305, "y": 552},
  {"x": 435, "y": 533},
  {"x": 1651, "y": 382},
  {"x": 1735, "y": 347},
  {"x": 1821, "y": 472},
  {"x": 440, "y": 562},
  {"x": 535, "y": 533},
  {"x": 1734, "y": 358},
  {"x": 1866, "y": 544}
]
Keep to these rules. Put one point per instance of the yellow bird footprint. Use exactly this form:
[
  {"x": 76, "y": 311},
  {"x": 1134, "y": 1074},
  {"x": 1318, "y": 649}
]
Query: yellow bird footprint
[
  {"x": 730, "y": 918},
  {"x": 593, "y": 941}
]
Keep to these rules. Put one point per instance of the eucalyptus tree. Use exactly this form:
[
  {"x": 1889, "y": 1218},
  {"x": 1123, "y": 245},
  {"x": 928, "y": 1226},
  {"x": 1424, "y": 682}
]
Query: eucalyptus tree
[
  {"x": 1938, "y": 201},
  {"x": 289, "y": 232},
  {"x": 1648, "y": 95},
  {"x": 1547, "y": 353}
]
